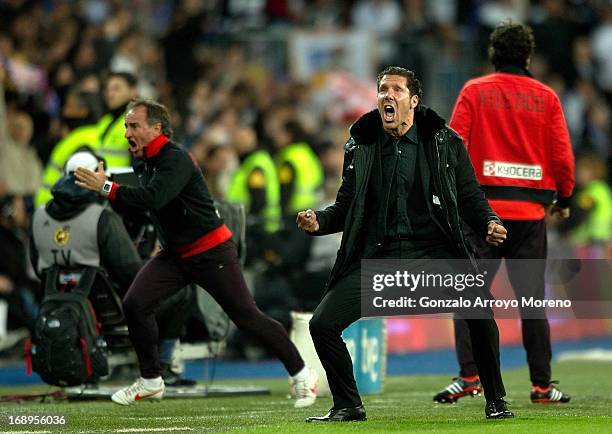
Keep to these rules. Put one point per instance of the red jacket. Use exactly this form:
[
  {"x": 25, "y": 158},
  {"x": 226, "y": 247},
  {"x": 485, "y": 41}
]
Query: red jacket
[{"x": 515, "y": 132}]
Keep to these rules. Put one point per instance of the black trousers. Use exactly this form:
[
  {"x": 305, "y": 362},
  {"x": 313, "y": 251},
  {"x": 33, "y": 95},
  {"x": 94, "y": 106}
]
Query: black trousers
[
  {"x": 526, "y": 240},
  {"x": 217, "y": 270},
  {"x": 341, "y": 306}
]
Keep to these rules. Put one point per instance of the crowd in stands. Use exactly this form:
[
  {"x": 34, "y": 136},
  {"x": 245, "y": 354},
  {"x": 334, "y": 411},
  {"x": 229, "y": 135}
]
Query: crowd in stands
[{"x": 223, "y": 69}]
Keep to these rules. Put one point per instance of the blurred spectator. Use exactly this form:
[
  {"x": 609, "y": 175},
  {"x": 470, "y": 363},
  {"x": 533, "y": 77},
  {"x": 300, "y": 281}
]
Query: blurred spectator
[
  {"x": 591, "y": 218},
  {"x": 300, "y": 173},
  {"x": 585, "y": 66},
  {"x": 17, "y": 289},
  {"x": 112, "y": 146},
  {"x": 442, "y": 12},
  {"x": 199, "y": 106},
  {"x": 20, "y": 168},
  {"x": 255, "y": 183},
  {"x": 602, "y": 50},
  {"x": 326, "y": 14},
  {"x": 414, "y": 17},
  {"x": 79, "y": 131},
  {"x": 218, "y": 164},
  {"x": 575, "y": 105},
  {"x": 382, "y": 17},
  {"x": 554, "y": 33},
  {"x": 597, "y": 129},
  {"x": 379, "y": 16},
  {"x": 179, "y": 43},
  {"x": 281, "y": 12}
]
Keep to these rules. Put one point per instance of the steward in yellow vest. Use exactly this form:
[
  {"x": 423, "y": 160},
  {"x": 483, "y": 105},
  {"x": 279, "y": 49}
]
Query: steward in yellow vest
[
  {"x": 112, "y": 145},
  {"x": 79, "y": 114}
]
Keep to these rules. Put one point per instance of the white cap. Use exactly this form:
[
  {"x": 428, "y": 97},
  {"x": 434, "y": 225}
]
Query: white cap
[{"x": 81, "y": 159}]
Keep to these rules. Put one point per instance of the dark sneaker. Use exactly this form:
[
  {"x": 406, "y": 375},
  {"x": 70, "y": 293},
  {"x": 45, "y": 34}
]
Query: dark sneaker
[
  {"x": 548, "y": 395},
  {"x": 498, "y": 409},
  {"x": 459, "y": 388},
  {"x": 350, "y": 414},
  {"x": 174, "y": 379}
]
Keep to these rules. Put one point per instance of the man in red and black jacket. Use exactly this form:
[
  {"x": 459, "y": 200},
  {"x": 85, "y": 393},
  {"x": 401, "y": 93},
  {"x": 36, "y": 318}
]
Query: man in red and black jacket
[
  {"x": 517, "y": 138},
  {"x": 197, "y": 248}
]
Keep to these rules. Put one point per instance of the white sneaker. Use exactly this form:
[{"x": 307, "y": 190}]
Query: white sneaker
[
  {"x": 306, "y": 390},
  {"x": 138, "y": 392}
]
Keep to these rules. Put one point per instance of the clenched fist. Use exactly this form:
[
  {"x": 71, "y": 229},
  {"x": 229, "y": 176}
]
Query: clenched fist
[
  {"x": 307, "y": 221},
  {"x": 496, "y": 234}
]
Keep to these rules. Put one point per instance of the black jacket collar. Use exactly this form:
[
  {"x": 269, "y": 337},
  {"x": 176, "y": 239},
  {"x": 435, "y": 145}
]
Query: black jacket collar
[{"x": 367, "y": 129}]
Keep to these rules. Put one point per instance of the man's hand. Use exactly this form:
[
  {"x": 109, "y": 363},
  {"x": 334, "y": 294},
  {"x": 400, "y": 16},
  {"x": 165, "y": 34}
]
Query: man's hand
[
  {"x": 307, "y": 221},
  {"x": 496, "y": 234},
  {"x": 91, "y": 180},
  {"x": 559, "y": 212},
  {"x": 6, "y": 284}
]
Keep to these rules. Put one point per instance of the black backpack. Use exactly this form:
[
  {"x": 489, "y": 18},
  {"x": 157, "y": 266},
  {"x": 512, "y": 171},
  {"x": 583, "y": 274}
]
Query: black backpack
[{"x": 66, "y": 348}]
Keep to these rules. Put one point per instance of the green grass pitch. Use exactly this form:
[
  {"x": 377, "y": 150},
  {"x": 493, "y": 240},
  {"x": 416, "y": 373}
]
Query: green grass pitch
[{"x": 405, "y": 406}]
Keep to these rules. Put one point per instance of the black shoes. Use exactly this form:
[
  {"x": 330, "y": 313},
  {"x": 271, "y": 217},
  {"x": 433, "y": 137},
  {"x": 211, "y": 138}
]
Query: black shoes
[
  {"x": 549, "y": 395},
  {"x": 498, "y": 409},
  {"x": 174, "y": 379},
  {"x": 350, "y": 414}
]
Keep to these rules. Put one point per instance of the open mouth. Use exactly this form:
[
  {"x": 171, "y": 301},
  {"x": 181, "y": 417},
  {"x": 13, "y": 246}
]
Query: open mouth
[{"x": 388, "y": 112}]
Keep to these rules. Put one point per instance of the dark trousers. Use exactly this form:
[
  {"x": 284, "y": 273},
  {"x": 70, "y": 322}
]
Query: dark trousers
[
  {"x": 217, "y": 270},
  {"x": 341, "y": 306},
  {"x": 526, "y": 240}
]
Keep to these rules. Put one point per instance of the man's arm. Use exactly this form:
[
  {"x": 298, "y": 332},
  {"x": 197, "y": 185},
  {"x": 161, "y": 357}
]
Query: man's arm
[
  {"x": 562, "y": 156},
  {"x": 473, "y": 206},
  {"x": 172, "y": 175},
  {"x": 332, "y": 219}
]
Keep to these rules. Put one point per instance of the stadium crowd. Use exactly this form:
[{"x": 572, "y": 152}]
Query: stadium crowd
[{"x": 224, "y": 69}]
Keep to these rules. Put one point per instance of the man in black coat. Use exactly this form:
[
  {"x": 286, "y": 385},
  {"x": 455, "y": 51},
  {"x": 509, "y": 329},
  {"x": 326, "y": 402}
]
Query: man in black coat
[{"x": 407, "y": 182}]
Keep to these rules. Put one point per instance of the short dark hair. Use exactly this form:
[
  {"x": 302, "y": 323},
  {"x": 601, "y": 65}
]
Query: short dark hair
[
  {"x": 157, "y": 113},
  {"x": 89, "y": 100},
  {"x": 412, "y": 82},
  {"x": 511, "y": 44},
  {"x": 129, "y": 78}
]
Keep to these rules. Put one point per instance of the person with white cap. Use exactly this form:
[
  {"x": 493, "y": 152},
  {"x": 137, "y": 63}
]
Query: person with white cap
[{"x": 74, "y": 228}]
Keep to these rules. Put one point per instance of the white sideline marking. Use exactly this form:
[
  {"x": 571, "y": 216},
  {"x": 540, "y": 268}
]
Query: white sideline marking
[
  {"x": 26, "y": 432},
  {"x": 595, "y": 354},
  {"x": 164, "y": 429},
  {"x": 248, "y": 413}
]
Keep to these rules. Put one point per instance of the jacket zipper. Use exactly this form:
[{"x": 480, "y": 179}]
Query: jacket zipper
[
  {"x": 460, "y": 242},
  {"x": 444, "y": 184},
  {"x": 436, "y": 139}
]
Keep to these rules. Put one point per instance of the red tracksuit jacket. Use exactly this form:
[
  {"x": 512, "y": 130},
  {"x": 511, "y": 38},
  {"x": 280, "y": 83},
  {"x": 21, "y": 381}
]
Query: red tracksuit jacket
[{"x": 515, "y": 132}]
